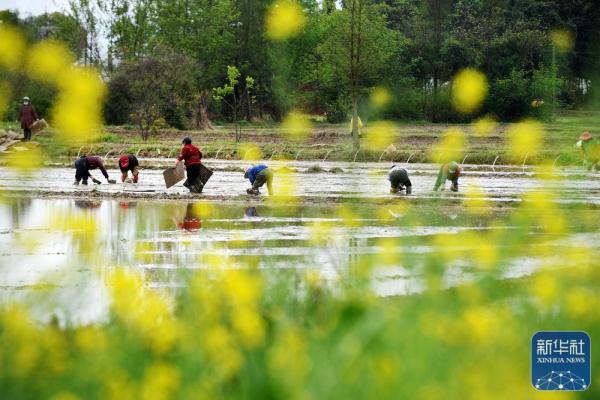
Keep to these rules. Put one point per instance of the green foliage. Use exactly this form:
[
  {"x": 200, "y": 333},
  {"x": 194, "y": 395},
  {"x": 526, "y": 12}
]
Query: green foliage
[
  {"x": 510, "y": 98},
  {"x": 412, "y": 47},
  {"x": 156, "y": 86}
]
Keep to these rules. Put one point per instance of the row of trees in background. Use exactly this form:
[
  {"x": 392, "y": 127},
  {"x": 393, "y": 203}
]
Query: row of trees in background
[{"x": 173, "y": 60}]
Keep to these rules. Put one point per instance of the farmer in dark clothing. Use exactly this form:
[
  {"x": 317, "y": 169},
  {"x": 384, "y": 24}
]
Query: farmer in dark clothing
[
  {"x": 27, "y": 116},
  {"x": 258, "y": 175},
  {"x": 83, "y": 166},
  {"x": 398, "y": 178},
  {"x": 192, "y": 157},
  {"x": 449, "y": 171},
  {"x": 590, "y": 148},
  {"x": 129, "y": 162}
]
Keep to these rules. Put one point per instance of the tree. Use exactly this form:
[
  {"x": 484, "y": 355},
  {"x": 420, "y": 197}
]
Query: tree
[
  {"x": 129, "y": 28},
  {"x": 84, "y": 13},
  {"x": 203, "y": 30},
  {"x": 357, "y": 46},
  {"x": 230, "y": 90},
  {"x": 155, "y": 87}
]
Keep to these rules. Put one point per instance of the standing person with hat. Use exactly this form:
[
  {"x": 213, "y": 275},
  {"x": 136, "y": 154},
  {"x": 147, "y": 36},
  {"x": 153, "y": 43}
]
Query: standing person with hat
[
  {"x": 192, "y": 157},
  {"x": 449, "y": 171},
  {"x": 129, "y": 162},
  {"x": 399, "y": 180},
  {"x": 590, "y": 147},
  {"x": 27, "y": 116},
  {"x": 258, "y": 175}
]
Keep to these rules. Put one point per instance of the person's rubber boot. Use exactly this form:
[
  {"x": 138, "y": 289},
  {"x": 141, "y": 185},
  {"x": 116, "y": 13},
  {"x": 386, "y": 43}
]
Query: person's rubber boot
[
  {"x": 454, "y": 187},
  {"x": 135, "y": 178},
  {"x": 84, "y": 183},
  {"x": 186, "y": 184},
  {"x": 123, "y": 177},
  {"x": 76, "y": 183},
  {"x": 252, "y": 191},
  {"x": 394, "y": 190}
]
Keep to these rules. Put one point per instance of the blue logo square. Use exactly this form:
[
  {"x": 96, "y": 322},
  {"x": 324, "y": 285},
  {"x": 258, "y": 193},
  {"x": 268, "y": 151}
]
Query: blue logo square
[{"x": 561, "y": 361}]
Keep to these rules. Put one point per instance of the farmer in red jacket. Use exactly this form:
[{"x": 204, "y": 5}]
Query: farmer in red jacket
[
  {"x": 129, "y": 162},
  {"x": 27, "y": 116},
  {"x": 192, "y": 157}
]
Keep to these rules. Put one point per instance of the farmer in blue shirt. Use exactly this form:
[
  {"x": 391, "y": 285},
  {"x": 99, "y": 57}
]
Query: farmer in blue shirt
[{"x": 258, "y": 175}]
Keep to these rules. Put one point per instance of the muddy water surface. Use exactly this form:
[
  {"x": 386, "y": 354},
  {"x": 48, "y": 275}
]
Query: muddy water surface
[{"x": 60, "y": 267}]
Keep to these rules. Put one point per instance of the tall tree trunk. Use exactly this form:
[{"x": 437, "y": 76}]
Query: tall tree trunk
[
  {"x": 201, "y": 119},
  {"x": 355, "y": 135}
]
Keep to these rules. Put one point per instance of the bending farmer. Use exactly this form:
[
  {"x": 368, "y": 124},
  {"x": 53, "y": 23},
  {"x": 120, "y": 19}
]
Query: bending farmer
[
  {"x": 129, "y": 162},
  {"x": 192, "y": 157},
  {"x": 258, "y": 175},
  {"x": 83, "y": 166},
  {"x": 590, "y": 148},
  {"x": 449, "y": 171},
  {"x": 398, "y": 178},
  {"x": 27, "y": 116}
]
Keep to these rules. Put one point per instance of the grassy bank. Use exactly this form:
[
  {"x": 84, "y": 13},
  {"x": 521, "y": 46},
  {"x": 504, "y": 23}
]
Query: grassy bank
[{"x": 333, "y": 142}]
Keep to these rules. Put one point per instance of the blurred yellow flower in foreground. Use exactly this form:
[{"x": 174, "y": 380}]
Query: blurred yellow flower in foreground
[
  {"x": 12, "y": 47},
  {"x": 562, "y": 39},
  {"x": 469, "y": 89},
  {"x": 285, "y": 19},
  {"x": 451, "y": 147},
  {"x": 249, "y": 152},
  {"x": 379, "y": 136},
  {"x": 144, "y": 310},
  {"x": 50, "y": 61},
  {"x": 475, "y": 202},
  {"x": 380, "y": 97},
  {"x": 288, "y": 359},
  {"x": 203, "y": 209},
  {"x": 25, "y": 158},
  {"x": 5, "y": 93},
  {"x": 545, "y": 287},
  {"x": 286, "y": 187},
  {"x": 296, "y": 126},
  {"x": 161, "y": 382},
  {"x": 77, "y": 112},
  {"x": 484, "y": 126},
  {"x": 525, "y": 138}
]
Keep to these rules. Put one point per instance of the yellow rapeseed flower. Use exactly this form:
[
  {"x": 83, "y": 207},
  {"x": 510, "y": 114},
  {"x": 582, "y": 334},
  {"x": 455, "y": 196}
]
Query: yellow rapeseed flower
[
  {"x": 563, "y": 39},
  {"x": 12, "y": 47},
  {"x": 380, "y": 97},
  {"x": 25, "y": 158},
  {"x": 249, "y": 152},
  {"x": 379, "y": 136},
  {"x": 475, "y": 201},
  {"x": 296, "y": 126},
  {"x": 144, "y": 310},
  {"x": 50, "y": 61},
  {"x": 451, "y": 147},
  {"x": 161, "y": 382},
  {"x": 285, "y": 19},
  {"x": 525, "y": 138},
  {"x": 286, "y": 187},
  {"x": 288, "y": 359},
  {"x": 388, "y": 253},
  {"x": 545, "y": 287},
  {"x": 5, "y": 94},
  {"x": 469, "y": 88},
  {"x": 320, "y": 232},
  {"x": 78, "y": 109},
  {"x": 249, "y": 326},
  {"x": 484, "y": 126}
]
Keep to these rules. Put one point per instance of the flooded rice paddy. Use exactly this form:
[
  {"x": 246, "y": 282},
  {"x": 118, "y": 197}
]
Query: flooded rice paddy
[{"x": 65, "y": 262}]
